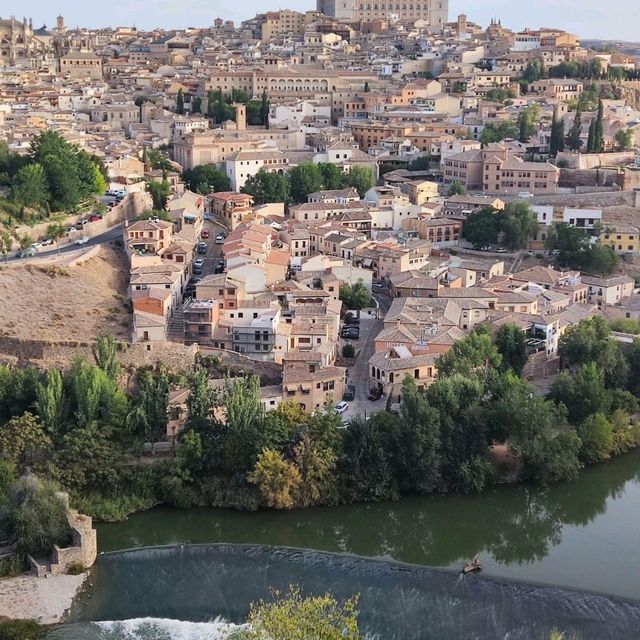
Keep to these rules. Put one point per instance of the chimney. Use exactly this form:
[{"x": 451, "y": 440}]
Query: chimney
[{"x": 241, "y": 116}]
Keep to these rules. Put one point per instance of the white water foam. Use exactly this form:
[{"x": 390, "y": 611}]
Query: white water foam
[{"x": 165, "y": 629}]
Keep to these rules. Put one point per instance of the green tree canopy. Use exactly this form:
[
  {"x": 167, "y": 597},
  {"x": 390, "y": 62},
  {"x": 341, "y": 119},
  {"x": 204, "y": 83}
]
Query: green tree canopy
[
  {"x": 267, "y": 187},
  {"x": 206, "y": 178},
  {"x": 355, "y": 297},
  {"x": 481, "y": 228}
]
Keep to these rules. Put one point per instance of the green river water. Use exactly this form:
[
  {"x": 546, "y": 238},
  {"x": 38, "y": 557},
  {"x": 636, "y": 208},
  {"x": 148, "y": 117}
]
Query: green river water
[{"x": 566, "y": 555}]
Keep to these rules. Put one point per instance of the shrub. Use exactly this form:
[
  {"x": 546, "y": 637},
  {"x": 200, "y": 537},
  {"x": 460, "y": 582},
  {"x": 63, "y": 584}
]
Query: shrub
[
  {"x": 348, "y": 351},
  {"x": 21, "y": 630},
  {"x": 34, "y": 516},
  {"x": 76, "y": 568}
]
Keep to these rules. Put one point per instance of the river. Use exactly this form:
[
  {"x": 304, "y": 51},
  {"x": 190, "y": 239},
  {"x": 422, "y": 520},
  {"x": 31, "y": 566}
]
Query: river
[{"x": 581, "y": 540}]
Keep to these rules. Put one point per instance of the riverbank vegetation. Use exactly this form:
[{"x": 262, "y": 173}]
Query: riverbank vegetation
[
  {"x": 78, "y": 428},
  {"x": 292, "y": 616},
  {"x": 22, "y": 630}
]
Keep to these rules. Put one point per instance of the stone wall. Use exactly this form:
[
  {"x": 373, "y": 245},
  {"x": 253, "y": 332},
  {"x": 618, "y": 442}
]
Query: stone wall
[
  {"x": 134, "y": 205},
  {"x": 63, "y": 353},
  {"x": 593, "y": 160},
  {"x": 269, "y": 373}
]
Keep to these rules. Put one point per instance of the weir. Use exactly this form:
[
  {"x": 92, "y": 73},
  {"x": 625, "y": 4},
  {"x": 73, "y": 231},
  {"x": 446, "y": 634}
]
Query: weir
[{"x": 397, "y": 602}]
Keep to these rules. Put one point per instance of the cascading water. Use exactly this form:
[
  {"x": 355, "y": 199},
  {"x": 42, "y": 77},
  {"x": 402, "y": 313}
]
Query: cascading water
[
  {"x": 397, "y": 602},
  {"x": 149, "y": 629}
]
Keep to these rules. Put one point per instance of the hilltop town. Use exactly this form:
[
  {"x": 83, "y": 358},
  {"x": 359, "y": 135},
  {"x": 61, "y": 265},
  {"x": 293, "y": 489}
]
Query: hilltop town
[
  {"x": 263, "y": 179},
  {"x": 333, "y": 200}
]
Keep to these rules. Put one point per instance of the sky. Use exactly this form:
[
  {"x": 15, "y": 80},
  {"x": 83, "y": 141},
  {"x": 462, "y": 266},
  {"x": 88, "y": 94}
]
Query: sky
[{"x": 610, "y": 19}]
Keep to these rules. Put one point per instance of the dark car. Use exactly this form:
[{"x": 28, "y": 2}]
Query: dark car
[
  {"x": 218, "y": 267},
  {"x": 203, "y": 247}
]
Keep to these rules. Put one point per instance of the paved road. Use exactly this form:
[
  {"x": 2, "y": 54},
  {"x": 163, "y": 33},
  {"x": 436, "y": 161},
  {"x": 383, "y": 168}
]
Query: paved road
[
  {"x": 50, "y": 252},
  {"x": 359, "y": 373}
]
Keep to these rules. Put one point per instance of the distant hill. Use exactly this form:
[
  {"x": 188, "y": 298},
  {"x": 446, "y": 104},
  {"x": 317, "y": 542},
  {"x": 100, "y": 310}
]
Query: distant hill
[{"x": 616, "y": 46}]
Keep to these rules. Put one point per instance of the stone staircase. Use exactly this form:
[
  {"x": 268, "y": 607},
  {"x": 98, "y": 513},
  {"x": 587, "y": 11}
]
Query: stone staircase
[{"x": 175, "y": 326}]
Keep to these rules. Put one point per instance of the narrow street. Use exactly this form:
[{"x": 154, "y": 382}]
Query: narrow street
[{"x": 370, "y": 327}]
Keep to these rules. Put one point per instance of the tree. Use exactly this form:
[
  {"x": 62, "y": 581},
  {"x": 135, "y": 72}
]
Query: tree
[
  {"x": 160, "y": 192},
  {"x": 355, "y": 297},
  {"x": 583, "y": 342},
  {"x": 316, "y": 464},
  {"x": 583, "y": 393},
  {"x": 348, "y": 351},
  {"x": 106, "y": 354},
  {"x": 598, "y": 137},
  {"x": 415, "y": 447},
  {"x": 360, "y": 178},
  {"x": 50, "y": 401},
  {"x": 591, "y": 140},
  {"x": 495, "y": 132},
  {"x": 306, "y": 178},
  {"x": 196, "y": 104},
  {"x": 519, "y": 223},
  {"x": 30, "y": 187},
  {"x": 200, "y": 400},
  {"x": 556, "y": 142},
  {"x": 34, "y": 517},
  {"x": 574, "y": 138},
  {"x": 23, "y": 441},
  {"x": 481, "y": 228},
  {"x": 88, "y": 460},
  {"x": 367, "y": 89},
  {"x": 464, "y": 433},
  {"x": 149, "y": 416},
  {"x": 294, "y": 617},
  {"x": 527, "y": 121},
  {"x": 332, "y": 177},
  {"x": 206, "y": 178},
  {"x": 596, "y": 434},
  {"x": 180, "y": 102},
  {"x": 265, "y": 108},
  {"x": 55, "y": 231},
  {"x": 244, "y": 433},
  {"x": 511, "y": 342},
  {"x": 276, "y": 478},
  {"x": 473, "y": 354},
  {"x": 211, "y": 104},
  {"x": 624, "y": 139},
  {"x": 266, "y": 187},
  {"x": 457, "y": 189},
  {"x": 366, "y": 463},
  {"x": 6, "y": 243}
]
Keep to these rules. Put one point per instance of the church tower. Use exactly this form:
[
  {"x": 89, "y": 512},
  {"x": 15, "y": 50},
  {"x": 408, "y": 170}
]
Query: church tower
[{"x": 60, "y": 24}]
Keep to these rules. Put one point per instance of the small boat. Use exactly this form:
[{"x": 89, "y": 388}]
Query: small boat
[{"x": 472, "y": 567}]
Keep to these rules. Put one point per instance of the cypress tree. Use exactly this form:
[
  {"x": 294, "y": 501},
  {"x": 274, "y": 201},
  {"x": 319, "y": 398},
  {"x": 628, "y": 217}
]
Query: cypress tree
[
  {"x": 574, "y": 141},
  {"x": 598, "y": 141},
  {"x": 180, "y": 102},
  {"x": 591, "y": 140}
]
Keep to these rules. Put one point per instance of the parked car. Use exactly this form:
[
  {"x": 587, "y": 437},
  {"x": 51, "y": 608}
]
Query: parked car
[
  {"x": 47, "y": 242},
  {"x": 351, "y": 334},
  {"x": 203, "y": 247},
  {"x": 218, "y": 266},
  {"x": 26, "y": 253},
  {"x": 220, "y": 238},
  {"x": 501, "y": 250},
  {"x": 205, "y": 234},
  {"x": 81, "y": 241},
  {"x": 95, "y": 217},
  {"x": 36, "y": 245},
  {"x": 341, "y": 407},
  {"x": 198, "y": 264}
]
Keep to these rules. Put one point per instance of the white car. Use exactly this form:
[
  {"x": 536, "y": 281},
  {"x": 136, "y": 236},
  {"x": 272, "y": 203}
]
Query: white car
[
  {"x": 36, "y": 245},
  {"x": 47, "y": 242},
  {"x": 220, "y": 238},
  {"x": 81, "y": 241},
  {"x": 341, "y": 407}
]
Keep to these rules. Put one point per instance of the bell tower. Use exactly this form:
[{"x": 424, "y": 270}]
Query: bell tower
[{"x": 60, "y": 24}]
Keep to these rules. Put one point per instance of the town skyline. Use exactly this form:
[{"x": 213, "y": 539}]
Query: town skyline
[{"x": 596, "y": 20}]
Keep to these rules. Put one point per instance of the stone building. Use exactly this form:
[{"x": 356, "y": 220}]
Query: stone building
[{"x": 434, "y": 12}]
